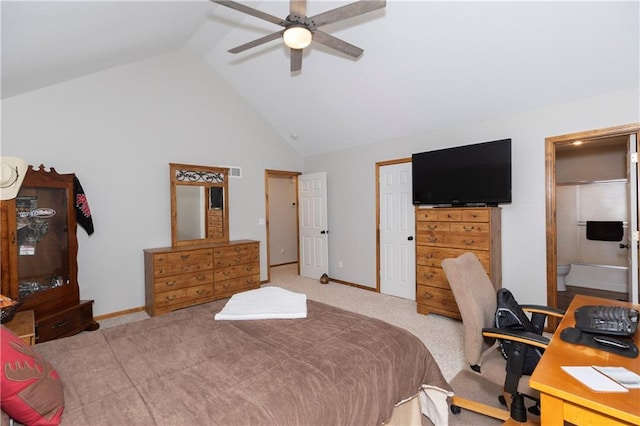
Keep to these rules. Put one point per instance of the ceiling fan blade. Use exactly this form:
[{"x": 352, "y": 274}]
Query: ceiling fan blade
[
  {"x": 348, "y": 11},
  {"x": 251, "y": 11},
  {"x": 296, "y": 60},
  {"x": 298, "y": 7},
  {"x": 256, "y": 42},
  {"x": 337, "y": 44}
]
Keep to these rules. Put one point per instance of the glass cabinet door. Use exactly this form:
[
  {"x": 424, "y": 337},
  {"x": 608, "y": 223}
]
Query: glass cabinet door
[{"x": 42, "y": 239}]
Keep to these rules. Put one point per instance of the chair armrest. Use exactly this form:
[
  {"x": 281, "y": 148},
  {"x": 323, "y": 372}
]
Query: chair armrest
[
  {"x": 525, "y": 337},
  {"x": 546, "y": 310}
]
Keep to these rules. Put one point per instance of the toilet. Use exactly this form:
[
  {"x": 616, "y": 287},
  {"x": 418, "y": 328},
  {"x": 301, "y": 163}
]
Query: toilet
[{"x": 562, "y": 271}]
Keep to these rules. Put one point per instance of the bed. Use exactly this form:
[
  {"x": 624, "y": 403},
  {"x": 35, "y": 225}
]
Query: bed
[{"x": 184, "y": 368}]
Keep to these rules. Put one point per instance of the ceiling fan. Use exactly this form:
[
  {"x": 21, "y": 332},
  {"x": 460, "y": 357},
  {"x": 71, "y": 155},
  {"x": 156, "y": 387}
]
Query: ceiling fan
[{"x": 299, "y": 29}]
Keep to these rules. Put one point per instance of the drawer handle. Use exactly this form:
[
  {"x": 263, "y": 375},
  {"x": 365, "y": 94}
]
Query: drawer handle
[
  {"x": 201, "y": 278},
  {"x": 171, "y": 283},
  {"x": 200, "y": 292},
  {"x": 432, "y": 227},
  {"x": 429, "y": 276},
  {"x": 432, "y": 239},
  {"x": 428, "y": 295},
  {"x": 170, "y": 298},
  {"x": 469, "y": 243},
  {"x": 468, "y": 228},
  {"x": 60, "y": 324},
  {"x": 185, "y": 256},
  {"x": 161, "y": 271}
]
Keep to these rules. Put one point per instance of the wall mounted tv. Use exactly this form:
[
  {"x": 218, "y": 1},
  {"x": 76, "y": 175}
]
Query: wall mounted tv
[{"x": 469, "y": 175}]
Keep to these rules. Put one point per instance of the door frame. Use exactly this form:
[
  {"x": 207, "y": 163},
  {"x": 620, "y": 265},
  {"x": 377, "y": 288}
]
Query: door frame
[
  {"x": 550, "y": 175},
  {"x": 279, "y": 173},
  {"x": 379, "y": 165}
]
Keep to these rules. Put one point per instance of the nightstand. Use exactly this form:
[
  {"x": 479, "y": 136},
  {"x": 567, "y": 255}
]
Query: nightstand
[{"x": 23, "y": 325}]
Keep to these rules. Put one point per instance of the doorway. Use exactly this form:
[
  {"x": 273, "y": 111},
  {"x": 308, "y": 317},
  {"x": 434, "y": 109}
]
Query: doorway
[
  {"x": 281, "y": 206},
  {"x": 591, "y": 184}
]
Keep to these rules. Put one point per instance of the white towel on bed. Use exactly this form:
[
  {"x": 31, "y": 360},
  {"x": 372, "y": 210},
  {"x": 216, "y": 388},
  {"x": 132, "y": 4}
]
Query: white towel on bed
[{"x": 264, "y": 303}]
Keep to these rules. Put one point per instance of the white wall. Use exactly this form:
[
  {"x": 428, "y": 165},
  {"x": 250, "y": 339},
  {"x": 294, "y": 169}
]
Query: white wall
[
  {"x": 351, "y": 187},
  {"x": 118, "y": 130}
]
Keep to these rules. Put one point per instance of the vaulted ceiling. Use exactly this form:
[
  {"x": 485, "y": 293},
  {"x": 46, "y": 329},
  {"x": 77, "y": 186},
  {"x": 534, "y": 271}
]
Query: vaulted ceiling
[{"x": 427, "y": 65}]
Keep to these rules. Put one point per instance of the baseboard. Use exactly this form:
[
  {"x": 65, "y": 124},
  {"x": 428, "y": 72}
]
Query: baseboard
[
  {"x": 360, "y": 286},
  {"x": 118, "y": 313}
]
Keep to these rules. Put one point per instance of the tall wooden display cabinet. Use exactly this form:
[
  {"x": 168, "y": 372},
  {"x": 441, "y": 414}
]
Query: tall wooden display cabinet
[{"x": 39, "y": 248}]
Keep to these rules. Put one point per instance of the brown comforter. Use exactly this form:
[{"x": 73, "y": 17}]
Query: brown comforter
[{"x": 184, "y": 368}]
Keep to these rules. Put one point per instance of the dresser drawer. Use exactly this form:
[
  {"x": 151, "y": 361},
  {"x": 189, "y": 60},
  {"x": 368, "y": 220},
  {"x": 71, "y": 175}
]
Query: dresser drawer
[
  {"x": 433, "y": 256},
  {"x": 429, "y": 238},
  {"x": 170, "y": 297},
  {"x": 64, "y": 323},
  {"x": 200, "y": 291},
  {"x": 175, "y": 282},
  {"x": 235, "y": 255},
  {"x": 469, "y": 242},
  {"x": 426, "y": 215},
  {"x": 442, "y": 215},
  {"x": 431, "y": 276},
  {"x": 470, "y": 228},
  {"x": 438, "y": 298},
  {"x": 249, "y": 269},
  {"x": 225, "y": 273},
  {"x": 433, "y": 226},
  {"x": 480, "y": 215},
  {"x": 182, "y": 262}
]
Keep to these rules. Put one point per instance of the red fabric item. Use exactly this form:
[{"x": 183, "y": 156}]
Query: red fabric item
[{"x": 31, "y": 390}]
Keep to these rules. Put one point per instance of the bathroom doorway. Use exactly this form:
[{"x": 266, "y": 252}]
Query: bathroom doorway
[{"x": 592, "y": 215}]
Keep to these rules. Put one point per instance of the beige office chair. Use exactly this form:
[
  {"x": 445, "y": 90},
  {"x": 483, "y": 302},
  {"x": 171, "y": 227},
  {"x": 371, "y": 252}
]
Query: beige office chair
[{"x": 476, "y": 299}]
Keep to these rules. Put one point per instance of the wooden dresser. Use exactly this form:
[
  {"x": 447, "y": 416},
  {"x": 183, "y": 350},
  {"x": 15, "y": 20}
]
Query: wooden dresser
[
  {"x": 178, "y": 277},
  {"x": 449, "y": 232}
]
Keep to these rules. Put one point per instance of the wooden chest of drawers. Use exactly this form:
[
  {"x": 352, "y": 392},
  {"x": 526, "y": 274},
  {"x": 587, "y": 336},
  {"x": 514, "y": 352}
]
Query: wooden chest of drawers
[
  {"x": 449, "y": 232},
  {"x": 178, "y": 277}
]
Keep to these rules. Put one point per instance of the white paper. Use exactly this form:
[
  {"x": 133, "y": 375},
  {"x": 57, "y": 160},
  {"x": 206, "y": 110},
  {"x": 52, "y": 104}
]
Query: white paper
[
  {"x": 594, "y": 379},
  {"x": 626, "y": 378}
]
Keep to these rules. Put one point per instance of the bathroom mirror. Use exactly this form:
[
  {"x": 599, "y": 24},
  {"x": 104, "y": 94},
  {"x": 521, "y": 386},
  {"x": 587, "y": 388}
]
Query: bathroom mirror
[{"x": 199, "y": 199}]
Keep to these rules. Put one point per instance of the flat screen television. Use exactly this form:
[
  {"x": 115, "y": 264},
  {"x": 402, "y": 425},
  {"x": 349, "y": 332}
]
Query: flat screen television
[{"x": 469, "y": 175}]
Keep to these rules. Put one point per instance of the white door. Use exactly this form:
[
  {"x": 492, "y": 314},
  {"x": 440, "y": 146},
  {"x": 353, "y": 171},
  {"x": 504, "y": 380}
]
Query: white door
[
  {"x": 397, "y": 228},
  {"x": 632, "y": 179},
  {"x": 314, "y": 238}
]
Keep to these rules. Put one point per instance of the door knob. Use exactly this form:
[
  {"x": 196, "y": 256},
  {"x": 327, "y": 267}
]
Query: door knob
[
  {"x": 410, "y": 238},
  {"x": 624, "y": 246}
]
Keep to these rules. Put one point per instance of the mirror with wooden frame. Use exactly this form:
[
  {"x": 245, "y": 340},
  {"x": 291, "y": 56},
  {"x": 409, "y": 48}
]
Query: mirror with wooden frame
[{"x": 199, "y": 201}]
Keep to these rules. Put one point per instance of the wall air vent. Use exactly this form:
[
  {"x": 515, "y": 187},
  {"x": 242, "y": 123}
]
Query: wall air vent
[{"x": 234, "y": 171}]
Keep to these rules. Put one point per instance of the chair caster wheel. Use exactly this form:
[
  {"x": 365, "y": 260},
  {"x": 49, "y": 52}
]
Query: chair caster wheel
[
  {"x": 455, "y": 409},
  {"x": 502, "y": 400}
]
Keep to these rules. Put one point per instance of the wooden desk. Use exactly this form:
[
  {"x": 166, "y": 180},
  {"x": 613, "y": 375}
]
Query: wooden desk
[
  {"x": 23, "y": 325},
  {"x": 563, "y": 398}
]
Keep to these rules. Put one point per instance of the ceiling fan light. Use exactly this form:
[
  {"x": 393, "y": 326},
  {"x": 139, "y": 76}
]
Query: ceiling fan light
[{"x": 297, "y": 37}]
